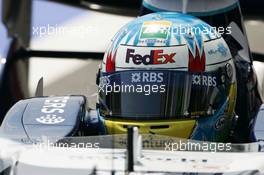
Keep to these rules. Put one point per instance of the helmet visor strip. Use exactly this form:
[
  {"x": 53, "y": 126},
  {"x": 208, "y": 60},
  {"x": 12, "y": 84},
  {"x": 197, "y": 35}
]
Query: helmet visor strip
[{"x": 159, "y": 94}]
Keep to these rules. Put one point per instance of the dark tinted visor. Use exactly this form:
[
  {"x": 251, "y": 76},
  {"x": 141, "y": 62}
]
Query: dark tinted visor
[{"x": 162, "y": 94}]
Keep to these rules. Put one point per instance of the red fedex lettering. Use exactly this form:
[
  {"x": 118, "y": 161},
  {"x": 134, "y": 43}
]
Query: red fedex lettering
[
  {"x": 168, "y": 58},
  {"x": 155, "y": 57}
]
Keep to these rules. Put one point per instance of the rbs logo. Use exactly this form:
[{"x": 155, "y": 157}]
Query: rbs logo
[{"x": 155, "y": 57}]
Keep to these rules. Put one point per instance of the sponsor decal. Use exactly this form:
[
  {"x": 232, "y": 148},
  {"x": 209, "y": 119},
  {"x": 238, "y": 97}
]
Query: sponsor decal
[
  {"x": 149, "y": 77},
  {"x": 136, "y": 78},
  {"x": 155, "y": 57},
  {"x": 155, "y": 30},
  {"x": 220, "y": 49},
  {"x": 50, "y": 119},
  {"x": 197, "y": 62},
  {"x": 51, "y": 108},
  {"x": 152, "y": 41},
  {"x": 204, "y": 80}
]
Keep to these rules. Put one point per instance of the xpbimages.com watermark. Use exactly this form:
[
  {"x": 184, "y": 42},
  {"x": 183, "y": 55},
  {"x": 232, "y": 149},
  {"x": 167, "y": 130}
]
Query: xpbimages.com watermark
[
  {"x": 57, "y": 30},
  {"x": 87, "y": 30},
  {"x": 164, "y": 143},
  {"x": 146, "y": 89},
  {"x": 140, "y": 82},
  {"x": 197, "y": 146},
  {"x": 52, "y": 145},
  {"x": 203, "y": 29}
]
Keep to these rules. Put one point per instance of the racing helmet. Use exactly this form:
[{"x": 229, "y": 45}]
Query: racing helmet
[{"x": 168, "y": 74}]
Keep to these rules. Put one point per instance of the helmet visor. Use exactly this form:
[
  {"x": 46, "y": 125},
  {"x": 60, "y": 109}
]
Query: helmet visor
[{"x": 160, "y": 94}]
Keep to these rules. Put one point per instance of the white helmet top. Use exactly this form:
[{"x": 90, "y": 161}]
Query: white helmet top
[{"x": 166, "y": 40}]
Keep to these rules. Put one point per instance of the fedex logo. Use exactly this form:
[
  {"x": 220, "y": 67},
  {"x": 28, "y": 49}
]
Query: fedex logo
[{"x": 155, "y": 57}]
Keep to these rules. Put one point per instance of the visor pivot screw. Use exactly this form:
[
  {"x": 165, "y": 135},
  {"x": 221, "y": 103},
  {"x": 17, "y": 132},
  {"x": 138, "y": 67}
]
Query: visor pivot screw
[{"x": 229, "y": 70}]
